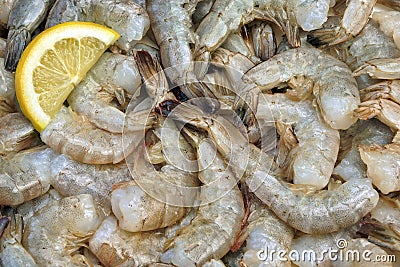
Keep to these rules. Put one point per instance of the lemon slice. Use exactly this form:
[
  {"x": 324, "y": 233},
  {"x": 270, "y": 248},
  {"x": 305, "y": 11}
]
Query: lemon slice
[{"x": 53, "y": 63}]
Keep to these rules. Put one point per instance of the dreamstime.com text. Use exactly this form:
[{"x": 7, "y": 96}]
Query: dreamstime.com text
[{"x": 332, "y": 254}]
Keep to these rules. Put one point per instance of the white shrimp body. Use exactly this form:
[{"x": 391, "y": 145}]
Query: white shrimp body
[
  {"x": 366, "y": 133},
  {"x": 126, "y": 17},
  {"x": 114, "y": 76},
  {"x": 311, "y": 163},
  {"x": 70, "y": 177},
  {"x": 335, "y": 90},
  {"x": 72, "y": 134},
  {"x": 213, "y": 231},
  {"x": 25, "y": 175},
  {"x": 265, "y": 232},
  {"x": 7, "y": 90},
  {"x": 56, "y": 232}
]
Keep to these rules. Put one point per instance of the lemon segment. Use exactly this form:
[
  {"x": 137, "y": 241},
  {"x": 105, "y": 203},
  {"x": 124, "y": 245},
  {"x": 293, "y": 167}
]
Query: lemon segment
[{"x": 53, "y": 63}]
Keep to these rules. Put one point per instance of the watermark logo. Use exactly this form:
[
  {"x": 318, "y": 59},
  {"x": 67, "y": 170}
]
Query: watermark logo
[{"x": 340, "y": 253}]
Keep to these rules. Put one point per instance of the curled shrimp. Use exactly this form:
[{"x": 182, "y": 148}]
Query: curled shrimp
[
  {"x": 54, "y": 234},
  {"x": 310, "y": 162},
  {"x": 25, "y": 175},
  {"x": 354, "y": 19},
  {"x": 126, "y": 17},
  {"x": 177, "y": 193},
  {"x": 212, "y": 232},
  {"x": 25, "y": 16},
  {"x": 113, "y": 77},
  {"x": 301, "y": 206},
  {"x": 70, "y": 178},
  {"x": 228, "y": 16},
  {"x": 335, "y": 90}
]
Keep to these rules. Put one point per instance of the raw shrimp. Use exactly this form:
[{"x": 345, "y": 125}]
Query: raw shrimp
[
  {"x": 366, "y": 133},
  {"x": 335, "y": 90},
  {"x": 12, "y": 253},
  {"x": 25, "y": 16},
  {"x": 138, "y": 204},
  {"x": 311, "y": 160},
  {"x": 114, "y": 76},
  {"x": 301, "y": 206},
  {"x": 70, "y": 178},
  {"x": 228, "y": 16},
  {"x": 4, "y": 221},
  {"x": 384, "y": 68},
  {"x": 381, "y": 100},
  {"x": 16, "y": 133},
  {"x": 383, "y": 227},
  {"x": 115, "y": 247},
  {"x": 383, "y": 165},
  {"x": 55, "y": 233},
  {"x": 214, "y": 263},
  {"x": 25, "y": 175},
  {"x": 7, "y": 90},
  {"x": 265, "y": 232},
  {"x": 171, "y": 23},
  {"x": 68, "y": 133},
  {"x": 126, "y": 17},
  {"x": 353, "y": 21},
  {"x": 212, "y": 232}
]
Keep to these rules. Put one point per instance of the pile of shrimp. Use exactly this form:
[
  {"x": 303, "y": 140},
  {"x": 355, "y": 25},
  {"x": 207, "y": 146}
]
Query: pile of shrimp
[{"x": 213, "y": 133}]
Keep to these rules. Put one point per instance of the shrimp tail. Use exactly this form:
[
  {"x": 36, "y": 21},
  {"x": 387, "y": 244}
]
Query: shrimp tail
[{"x": 16, "y": 42}]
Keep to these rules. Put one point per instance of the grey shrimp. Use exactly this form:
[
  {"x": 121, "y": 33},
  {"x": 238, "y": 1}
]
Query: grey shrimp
[
  {"x": 335, "y": 90},
  {"x": 213, "y": 231},
  {"x": 126, "y": 17},
  {"x": 25, "y": 175},
  {"x": 354, "y": 19},
  {"x": 5, "y": 9},
  {"x": 310, "y": 162},
  {"x": 7, "y": 90},
  {"x": 228, "y": 16},
  {"x": 70, "y": 178},
  {"x": 178, "y": 192},
  {"x": 54, "y": 234},
  {"x": 301, "y": 206},
  {"x": 72, "y": 134},
  {"x": 25, "y": 16}
]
